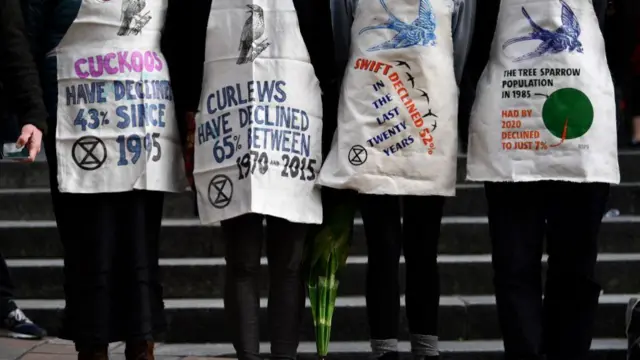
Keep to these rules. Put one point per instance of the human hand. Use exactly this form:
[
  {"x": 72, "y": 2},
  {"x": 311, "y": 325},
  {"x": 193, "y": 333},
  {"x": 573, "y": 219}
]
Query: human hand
[{"x": 31, "y": 137}]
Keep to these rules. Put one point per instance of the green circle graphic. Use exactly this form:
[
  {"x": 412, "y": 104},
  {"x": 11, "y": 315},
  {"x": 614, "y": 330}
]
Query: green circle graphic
[{"x": 568, "y": 107}]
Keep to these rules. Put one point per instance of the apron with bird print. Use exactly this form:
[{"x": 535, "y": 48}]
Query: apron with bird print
[
  {"x": 397, "y": 116},
  {"x": 545, "y": 106},
  {"x": 116, "y": 126},
  {"x": 259, "y": 126}
]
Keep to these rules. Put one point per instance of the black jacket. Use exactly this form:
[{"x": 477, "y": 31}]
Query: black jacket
[{"x": 18, "y": 72}]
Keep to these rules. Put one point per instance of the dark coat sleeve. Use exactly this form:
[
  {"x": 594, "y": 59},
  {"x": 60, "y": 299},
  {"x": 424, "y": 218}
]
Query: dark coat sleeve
[
  {"x": 17, "y": 68},
  {"x": 600, "y": 6},
  {"x": 184, "y": 42},
  {"x": 314, "y": 19},
  {"x": 183, "y": 45}
]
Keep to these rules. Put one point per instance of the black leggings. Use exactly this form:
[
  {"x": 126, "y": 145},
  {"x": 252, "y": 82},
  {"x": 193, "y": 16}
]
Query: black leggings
[
  {"x": 112, "y": 283},
  {"x": 386, "y": 236},
  {"x": 568, "y": 216},
  {"x": 285, "y": 250}
]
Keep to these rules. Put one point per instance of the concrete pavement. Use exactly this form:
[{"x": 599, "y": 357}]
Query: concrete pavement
[{"x": 56, "y": 349}]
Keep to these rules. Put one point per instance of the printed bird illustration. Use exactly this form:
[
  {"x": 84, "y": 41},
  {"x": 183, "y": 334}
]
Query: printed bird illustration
[
  {"x": 402, "y": 63},
  {"x": 411, "y": 79},
  {"x": 434, "y": 126},
  {"x": 252, "y": 42},
  {"x": 130, "y": 8},
  {"x": 421, "y": 32},
  {"x": 565, "y": 38},
  {"x": 424, "y": 94},
  {"x": 430, "y": 113}
]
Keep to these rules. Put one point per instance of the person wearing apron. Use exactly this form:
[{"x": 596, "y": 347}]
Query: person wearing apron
[
  {"x": 543, "y": 139},
  {"x": 113, "y": 151},
  {"x": 257, "y": 138},
  {"x": 396, "y": 144}
]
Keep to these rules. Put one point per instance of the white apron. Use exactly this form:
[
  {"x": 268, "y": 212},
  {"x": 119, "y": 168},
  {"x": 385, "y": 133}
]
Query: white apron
[
  {"x": 116, "y": 119},
  {"x": 258, "y": 132},
  {"x": 397, "y": 118},
  {"x": 545, "y": 106}
]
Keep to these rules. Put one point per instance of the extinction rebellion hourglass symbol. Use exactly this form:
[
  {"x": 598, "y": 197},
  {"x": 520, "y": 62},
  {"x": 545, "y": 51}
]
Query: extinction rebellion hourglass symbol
[
  {"x": 89, "y": 153},
  {"x": 358, "y": 155},
  {"x": 220, "y": 191}
]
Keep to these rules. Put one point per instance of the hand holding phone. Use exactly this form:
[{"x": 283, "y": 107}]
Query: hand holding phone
[
  {"x": 13, "y": 151},
  {"x": 30, "y": 140}
]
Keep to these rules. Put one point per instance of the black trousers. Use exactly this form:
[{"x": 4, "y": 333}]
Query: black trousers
[
  {"x": 6, "y": 289},
  {"x": 285, "y": 250},
  {"x": 569, "y": 215},
  {"x": 112, "y": 283},
  {"x": 386, "y": 237}
]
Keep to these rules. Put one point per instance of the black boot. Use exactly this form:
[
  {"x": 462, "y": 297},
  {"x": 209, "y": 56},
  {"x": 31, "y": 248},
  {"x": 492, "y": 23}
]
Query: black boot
[{"x": 139, "y": 350}]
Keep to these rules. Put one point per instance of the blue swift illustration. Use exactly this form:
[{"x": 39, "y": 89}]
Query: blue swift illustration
[
  {"x": 565, "y": 38},
  {"x": 421, "y": 32}
]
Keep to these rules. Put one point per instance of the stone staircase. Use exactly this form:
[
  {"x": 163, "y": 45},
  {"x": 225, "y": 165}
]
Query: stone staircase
[{"x": 193, "y": 270}]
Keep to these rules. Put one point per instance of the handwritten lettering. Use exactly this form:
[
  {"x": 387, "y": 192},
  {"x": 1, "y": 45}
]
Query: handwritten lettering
[{"x": 121, "y": 62}]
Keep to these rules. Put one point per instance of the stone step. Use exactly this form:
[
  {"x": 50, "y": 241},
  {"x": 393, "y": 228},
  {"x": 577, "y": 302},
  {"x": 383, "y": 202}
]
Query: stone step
[
  {"x": 461, "y": 318},
  {"x": 35, "y": 204},
  {"x": 187, "y": 238},
  {"x": 601, "y": 349},
  {"x": 204, "y": 277},
  {"x": 17, "y": 175}
]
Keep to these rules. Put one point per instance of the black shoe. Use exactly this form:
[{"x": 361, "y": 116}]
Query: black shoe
[{"x": 18, "y": 326}]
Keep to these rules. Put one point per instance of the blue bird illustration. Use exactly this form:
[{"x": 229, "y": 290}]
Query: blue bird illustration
[
  {"x": 565, "y": 38},
  {"x": 421, "y": 32}
]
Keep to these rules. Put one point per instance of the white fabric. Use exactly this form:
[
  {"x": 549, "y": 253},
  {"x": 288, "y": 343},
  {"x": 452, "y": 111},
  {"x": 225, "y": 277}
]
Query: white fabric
[
  {"x": 258, "y": 133},
  {"x": 397, "y": 118},
  {"x": 545, "y": 106},
  {"x": 109, "y": 69}
]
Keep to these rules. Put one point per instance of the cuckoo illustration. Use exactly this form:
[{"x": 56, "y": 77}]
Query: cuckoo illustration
[
  {"x": 131, "y": 14},
  {"x": 421, "y": 32},
  {"x": 565, "y": 38},
  {"x": 253, "y": 41}
]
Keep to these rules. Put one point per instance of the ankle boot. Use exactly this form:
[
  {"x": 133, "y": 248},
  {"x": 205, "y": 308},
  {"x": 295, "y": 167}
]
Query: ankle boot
[
  {"x": 139, "y": 350},
  {"x": 93, "y": 353}
]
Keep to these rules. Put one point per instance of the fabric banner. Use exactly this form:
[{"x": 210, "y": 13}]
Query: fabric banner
[
  {"x": 545, "y": 106},
  {"x": 397, "y": 118},
  {"x": 116, "y": 120},
  {"x": 258, "y": 132}
]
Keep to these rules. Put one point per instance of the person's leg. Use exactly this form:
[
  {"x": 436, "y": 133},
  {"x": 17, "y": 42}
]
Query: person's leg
[
  {"x": 137, "y": 289},
  {"x": 421, "y": 229},
  {"x": 575, "y": 213},
  {"x": 89, "y": 244},
  {"x": 516, "y": 225},
  {"x": 243, "y": 237},
  {"x": 6, "y": 288},
  {"x": 285, "y": 251},
  {"x": 381, "y": 219}
]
